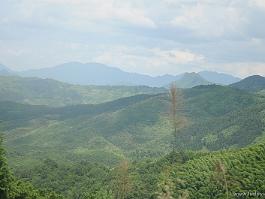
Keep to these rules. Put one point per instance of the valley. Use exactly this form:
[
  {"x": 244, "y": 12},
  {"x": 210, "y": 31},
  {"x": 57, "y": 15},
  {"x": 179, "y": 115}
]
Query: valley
[
  {"x": 136, "y": 128},
  {"x": 132, "y": 99}
]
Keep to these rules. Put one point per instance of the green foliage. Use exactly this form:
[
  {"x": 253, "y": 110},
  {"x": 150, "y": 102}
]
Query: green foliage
[
  {"x": 78, "y": 180},
  {"x": 71, "y": 150},
  {"x": 136, "y": 127},
  {"x": 253, "y": 83},
  {"x": 235, "y": 129},
  {"x": 10, "y": 188},
  {"x": 38, "y": 91},
  {"x": 189, "y": 80},
  {"x": 151, "y": 178},
  {"x": 197, "y": 176},
  {"x": 101, "y": 194},
  {"x": 203, "y": 102},
  {"x": 5, "y": 177},
  {"x": 244, "y": 173}
]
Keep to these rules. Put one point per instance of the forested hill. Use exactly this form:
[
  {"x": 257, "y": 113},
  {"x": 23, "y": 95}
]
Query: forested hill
[
  {"x": 252, "y": 84},
  {"x": 12, "y": 188},
  {"x": 178, "y": 175},
  {"x": 74, "y": 150},
  {"x": 38, "y": 91},
  {"x": 242, "y": 170},
  {"x": 223, "y": 174},
  {"x": 136, "y": 127},
  {"x": 189, "y": 80}
]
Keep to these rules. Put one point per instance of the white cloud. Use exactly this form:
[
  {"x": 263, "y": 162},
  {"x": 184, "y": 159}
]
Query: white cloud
[
  {"x": 146, "y": 36},
  {"x": 258, "y": 3},
  {"x": 82, "y": 13},
  {"x": 207, "y": 19},
  {"x": 240, "y": 69},
  {"x": 177, "y": 56},
  {"x": 152, "y": 61}
]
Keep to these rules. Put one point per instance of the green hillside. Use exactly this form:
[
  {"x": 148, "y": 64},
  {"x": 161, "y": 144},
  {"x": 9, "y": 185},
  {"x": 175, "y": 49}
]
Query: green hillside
[
  {"x": 243, "y": 171},
  {"x": 38, "y": 91},
  {"x": 136, "y": 127},
  {"x": 253, "y": 83},
  {"x": 192, "y": 174},
  {"x": 202, "y": 175},
  {"x": 219, "y": 122},
  {"x": 102, "y": 133},
  {"x": 72, "y": 150},
  {"x": 189, "y": 80},
  {"x": 12, "y": 188}
]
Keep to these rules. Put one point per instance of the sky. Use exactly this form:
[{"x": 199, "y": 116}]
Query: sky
[{"x": 152, "y": 37}]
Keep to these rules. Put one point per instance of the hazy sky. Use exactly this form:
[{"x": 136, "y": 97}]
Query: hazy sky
[{"x": 146, "y": 36}]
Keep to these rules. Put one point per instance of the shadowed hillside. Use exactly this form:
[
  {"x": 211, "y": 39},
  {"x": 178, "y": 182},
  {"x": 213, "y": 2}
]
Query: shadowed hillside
[
  {"x": 252, "y": 84},
  {"x": 136, "y": 127}
]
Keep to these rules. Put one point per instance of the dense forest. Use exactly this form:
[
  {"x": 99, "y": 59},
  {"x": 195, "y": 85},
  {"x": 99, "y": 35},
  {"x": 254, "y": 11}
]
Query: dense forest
[
  {"x": 189, "y": 143},
  {"x": 178, "y": 175},
  {"x": 13, "y": 188}
]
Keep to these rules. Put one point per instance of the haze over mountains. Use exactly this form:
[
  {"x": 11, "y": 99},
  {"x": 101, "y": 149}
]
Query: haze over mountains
[
  {"x": 38, "y": 91},
  {"x": 125, "y": 99},
  {"x": 4, "y": 70},
  {"x": 100, "y": 74},
  {"x": 61, "y": 136},
  {"x": 135, "y": 127},
  {"x": 218, "y": 78}
]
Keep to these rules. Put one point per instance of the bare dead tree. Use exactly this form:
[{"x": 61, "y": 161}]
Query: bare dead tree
[
  {"x": 122, "y": 181},
  {"x": 221, "y": 175},
  {"x": 173, "y": 110},
  {"x": 177, "y": 118},
  {"x": 178, "y": 121}
]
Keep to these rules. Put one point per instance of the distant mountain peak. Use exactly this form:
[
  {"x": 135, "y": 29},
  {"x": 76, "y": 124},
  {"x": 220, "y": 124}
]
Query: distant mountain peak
[
  {"x": 191, "y": 74},
  {"x": 93, "y": 73},
  {"x": 219, "y": 78},
  {"x": 255, "y": 76},
  {"x": 189, "y": 80},
  {"x": 5, "y": 71},
  {"x": 3, "y": 67}
]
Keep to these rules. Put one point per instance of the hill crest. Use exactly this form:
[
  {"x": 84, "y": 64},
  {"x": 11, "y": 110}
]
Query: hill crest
[{"x": 253, "y": 83}]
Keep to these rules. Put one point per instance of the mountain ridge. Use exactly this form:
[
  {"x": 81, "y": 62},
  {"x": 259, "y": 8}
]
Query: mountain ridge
[
  {"x": 218, "y": 78},
  {"x": 252, "y": 83},
  {"x": 37, "y": 91},
  {"x": 4, "y": 70},
  {"x": 100, "y": 74},
  {"x": 136, "y": 127},
  {"x": 189, "y": 80}
]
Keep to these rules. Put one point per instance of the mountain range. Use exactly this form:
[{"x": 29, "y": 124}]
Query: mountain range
[
  {"x": 100, "y": 74},
  {"x": 4, "y": 70},
  {"x": 38, "y": 91},
  {"x": 218, "y": 78},
  {"x": 72, "y": 145},
  {"x": 135, "y": 127}
]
